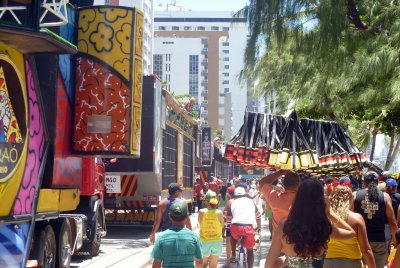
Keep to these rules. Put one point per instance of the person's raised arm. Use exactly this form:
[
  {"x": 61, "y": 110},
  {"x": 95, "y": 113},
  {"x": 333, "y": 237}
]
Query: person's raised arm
[
  {"x": 269, "y": 179},
  {"x": 362, "y": 239},
  {"x": 390, "y": 215},
  {"x": 159, "y": 213}
]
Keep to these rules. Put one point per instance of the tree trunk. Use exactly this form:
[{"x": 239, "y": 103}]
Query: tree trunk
[
  {"x": 374, "y": 133},
  {"x": 390, "y": 158},
  {"x": 391, "y": 147}
]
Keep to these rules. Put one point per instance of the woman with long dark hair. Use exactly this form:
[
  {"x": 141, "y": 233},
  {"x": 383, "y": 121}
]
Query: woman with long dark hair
[
  {"x": 304, "y": 236},
  {"x": 376, "y": 209}
]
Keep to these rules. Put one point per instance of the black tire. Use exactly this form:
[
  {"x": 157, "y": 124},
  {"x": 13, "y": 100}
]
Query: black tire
[
  {"x": 92, "y": 247},
  {"x": 63, "y": 234},
  {"x": 44, "y": 247}
]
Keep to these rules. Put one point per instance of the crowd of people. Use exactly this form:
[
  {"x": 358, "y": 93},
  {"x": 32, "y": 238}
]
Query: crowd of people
[{"x": 313, "y": 222}]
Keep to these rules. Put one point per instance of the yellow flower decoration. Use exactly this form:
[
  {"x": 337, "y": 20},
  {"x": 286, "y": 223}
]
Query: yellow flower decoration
[
  {"x": 101, "y": 39},
  {"x": 124, "y": 37},
  {"x": 113, "y": 14},
  {"x": 86, "y": 17}
]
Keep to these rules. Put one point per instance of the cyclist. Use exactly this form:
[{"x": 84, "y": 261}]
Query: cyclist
[{"x": 242, "y": 223}]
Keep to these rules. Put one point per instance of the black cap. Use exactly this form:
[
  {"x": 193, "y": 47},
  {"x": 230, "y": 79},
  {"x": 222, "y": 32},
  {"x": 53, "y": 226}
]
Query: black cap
[
  {"x": 212, "y": 174},
  {"x": 173, "y": 187}
]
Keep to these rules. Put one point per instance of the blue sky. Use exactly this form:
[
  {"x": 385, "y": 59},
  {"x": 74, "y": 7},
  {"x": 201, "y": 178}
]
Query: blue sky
[{"x": 209, "y": 5}]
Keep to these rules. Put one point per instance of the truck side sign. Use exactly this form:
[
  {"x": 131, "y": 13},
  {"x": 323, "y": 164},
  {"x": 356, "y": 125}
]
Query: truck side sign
[{"x": 113, "y": 184}]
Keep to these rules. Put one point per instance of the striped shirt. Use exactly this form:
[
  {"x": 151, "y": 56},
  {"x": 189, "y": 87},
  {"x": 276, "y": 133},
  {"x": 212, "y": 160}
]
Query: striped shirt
[{"x": 177, "y": 247}]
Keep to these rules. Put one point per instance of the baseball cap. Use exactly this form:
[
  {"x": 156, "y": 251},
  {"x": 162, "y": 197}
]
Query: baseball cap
[
  {"x": 231, "y": 190},
  {"x": 178, "y": 210},
  {"x": 391, "y": 182},
  {"x": 345, "y": 181},
  {"x": 210, "y": 194},
  {"x": 240, "y": 191},
  {"x": 174, "y": 186}
]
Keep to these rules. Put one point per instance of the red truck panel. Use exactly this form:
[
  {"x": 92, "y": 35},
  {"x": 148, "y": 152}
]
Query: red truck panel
[
  {"x": 92, "y": 177},
  {"x": 67, "y": 168}
]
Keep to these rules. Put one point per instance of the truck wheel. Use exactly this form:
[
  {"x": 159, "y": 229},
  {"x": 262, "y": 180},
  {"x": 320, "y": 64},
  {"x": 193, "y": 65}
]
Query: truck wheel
[
  {"x": 44, "y": 247},
  {"x": 94, "y": 246},
  {"x": 64, "y": 243}
]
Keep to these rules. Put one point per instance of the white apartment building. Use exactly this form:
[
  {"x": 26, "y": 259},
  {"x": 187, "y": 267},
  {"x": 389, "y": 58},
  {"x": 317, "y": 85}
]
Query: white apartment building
[
  {"x": 201, "y": 53},
  {"x": 148, "y": 19}
]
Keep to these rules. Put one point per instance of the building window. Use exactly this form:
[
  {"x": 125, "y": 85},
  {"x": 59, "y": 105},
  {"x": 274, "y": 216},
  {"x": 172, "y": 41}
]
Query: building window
[
  {"x": 214, "y": 28},
  {"x": 226, "y": 66},
  {"x": 175, "y": 28},
  {"x": 225, "y": 29},
  {"x": 226, "y": 59},
  {"x": 157, "y": 65},
  {"x": 226, "y": 82},
  {"x": 168, "y": 43},
  {"x": 161, "y": 28},
  {"x": 226, "y": 90},
  {"x": 226, "y": 74},
  {"x": 201, "y": 28},
  {"x": 194, "y": 75},
  {"x": 225, "y": 51},
  {"x": 225, "y": 44},
  {"x": 187, "y": 28}
]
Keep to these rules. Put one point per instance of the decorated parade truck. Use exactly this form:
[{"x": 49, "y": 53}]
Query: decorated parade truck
[
  {"x": 135, "y": 186},
  {"x": 70, "y": 98}
]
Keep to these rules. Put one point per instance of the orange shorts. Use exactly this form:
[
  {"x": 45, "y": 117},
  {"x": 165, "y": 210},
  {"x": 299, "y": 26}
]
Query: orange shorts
[{"x": 247, "y": 232}]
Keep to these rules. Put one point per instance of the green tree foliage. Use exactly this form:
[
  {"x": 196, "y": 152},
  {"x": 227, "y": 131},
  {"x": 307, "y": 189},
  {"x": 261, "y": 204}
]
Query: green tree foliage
[{"x": 335, "y": 60}]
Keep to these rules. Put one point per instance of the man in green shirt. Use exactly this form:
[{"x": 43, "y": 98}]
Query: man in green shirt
[{"x": 177, "y": 246}]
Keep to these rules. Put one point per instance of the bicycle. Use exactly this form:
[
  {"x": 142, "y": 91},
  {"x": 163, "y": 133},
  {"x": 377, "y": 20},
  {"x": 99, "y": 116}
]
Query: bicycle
[{"x": 242, "y": 258}]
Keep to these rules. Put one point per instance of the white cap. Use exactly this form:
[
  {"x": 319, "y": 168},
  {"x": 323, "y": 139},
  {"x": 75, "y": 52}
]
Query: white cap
[{"x": 239, "y": 191}]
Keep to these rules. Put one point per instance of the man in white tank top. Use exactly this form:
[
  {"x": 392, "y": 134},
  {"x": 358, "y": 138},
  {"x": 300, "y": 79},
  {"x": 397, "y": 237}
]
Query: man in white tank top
[{"x": 244, "y": 213}]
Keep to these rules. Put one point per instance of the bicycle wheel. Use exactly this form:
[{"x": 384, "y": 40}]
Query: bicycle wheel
[{"x": 242, "y": 258}]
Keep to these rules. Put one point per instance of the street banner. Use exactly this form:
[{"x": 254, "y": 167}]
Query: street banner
[{"x": 206, "y": 146}]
